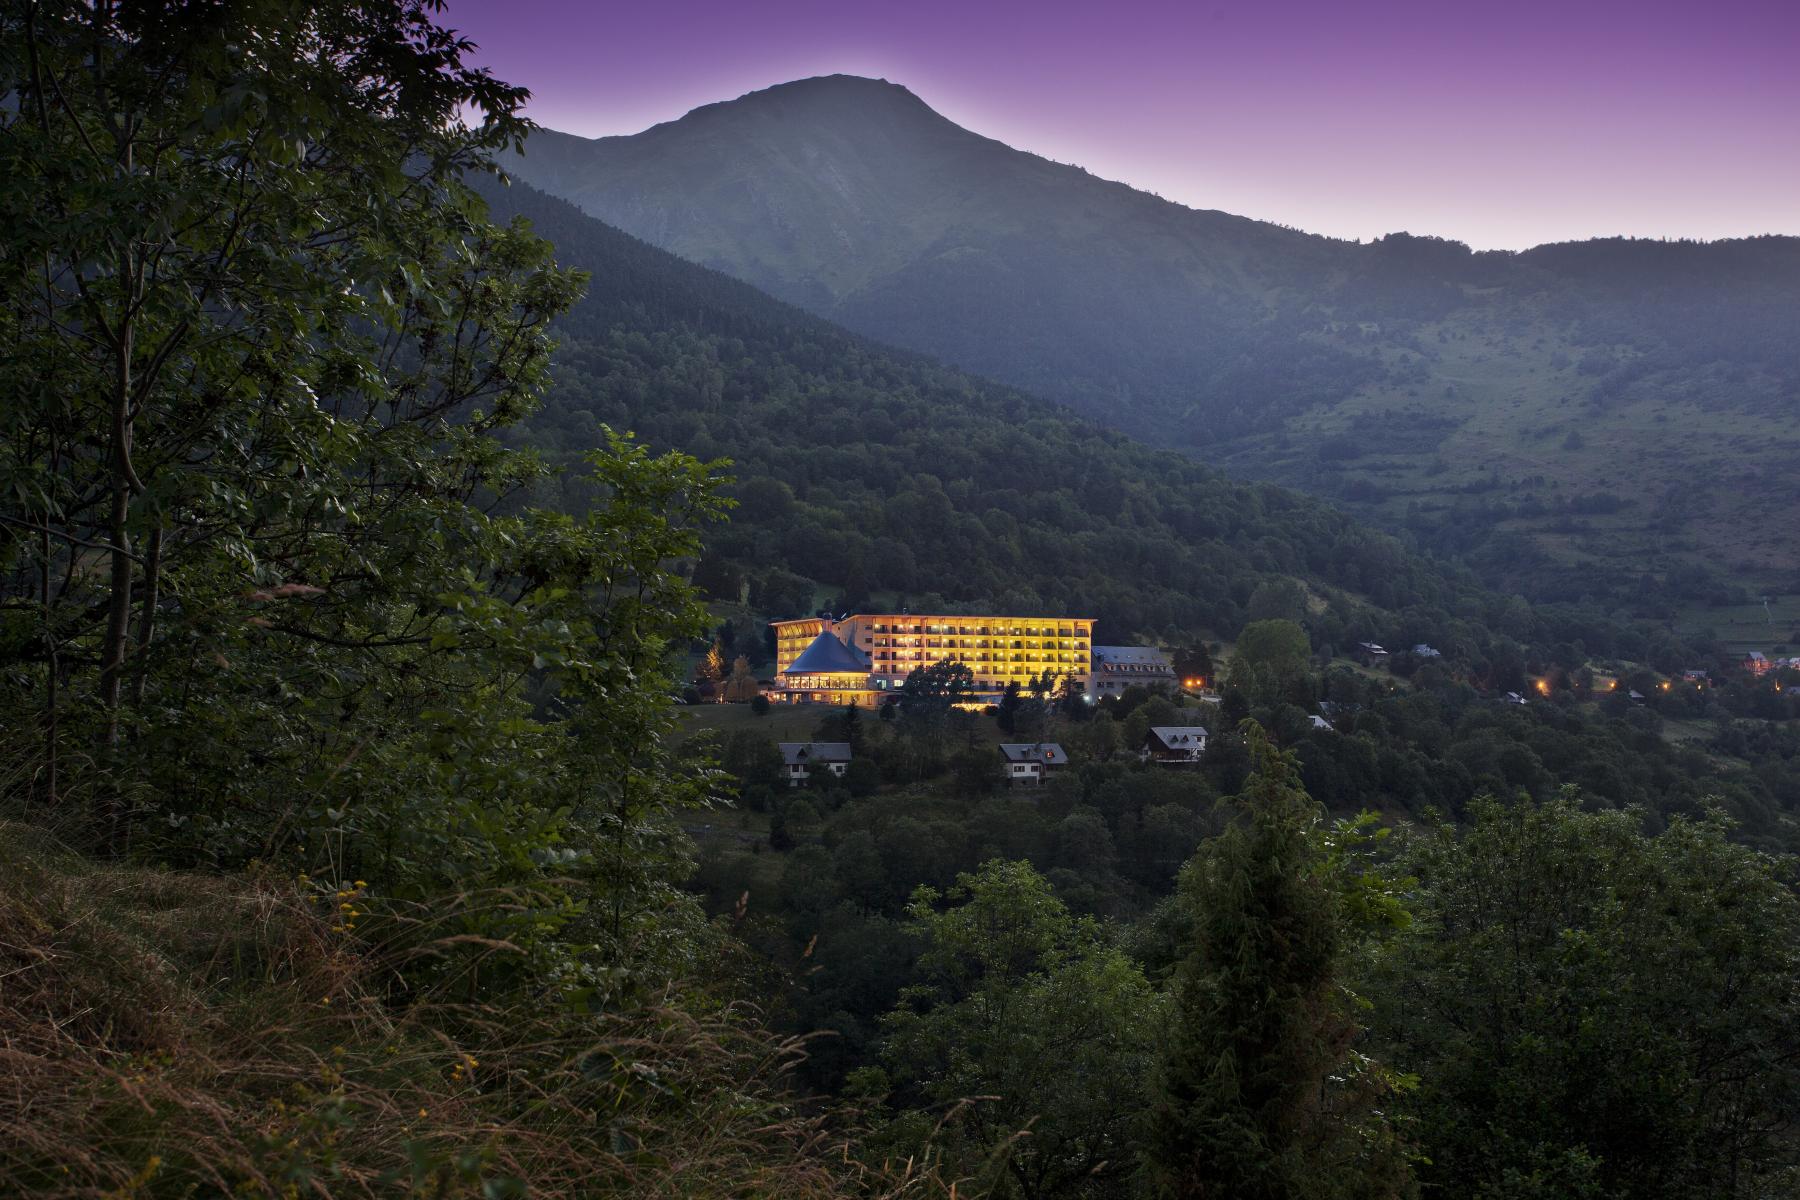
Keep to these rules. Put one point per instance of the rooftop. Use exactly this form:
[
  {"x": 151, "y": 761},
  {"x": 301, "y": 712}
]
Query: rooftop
[
  {"x": 1148, "y": 656},
  {"x": 828, "y": 656},
  {"x": 797, "y": 753},
  {"x": 1048, "y": 753}
]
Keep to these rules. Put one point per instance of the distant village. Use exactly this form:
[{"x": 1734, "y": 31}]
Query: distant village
[{"x": 864, "y": 660}]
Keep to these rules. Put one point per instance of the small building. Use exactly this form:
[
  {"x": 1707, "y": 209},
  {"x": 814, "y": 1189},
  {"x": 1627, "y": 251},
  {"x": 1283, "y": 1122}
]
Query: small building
[
  {"x": 1175, "y": 745},
  {"x": 1514, "y": 698},
  {"x": 826, "y": 672},
  {"x": 1116, "y": 668},
  {"x": 1370, "y": 653},
  {"x": 1696, "y": 675},
  {"x": 1424, "y": 651},
  {"x": 1318, "y": 722},
  {"x": 801, "y": 759},
  {"x": 1030, "y": 762},
  {"x": 1756, "y": 662}
]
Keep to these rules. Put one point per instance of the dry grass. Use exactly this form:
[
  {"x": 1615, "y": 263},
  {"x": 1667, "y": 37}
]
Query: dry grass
[{"x": 179, "y": 1034}]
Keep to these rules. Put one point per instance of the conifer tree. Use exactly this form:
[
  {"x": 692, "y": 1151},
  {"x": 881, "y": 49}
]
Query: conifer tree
[{"x": 1259, "y": 1096}]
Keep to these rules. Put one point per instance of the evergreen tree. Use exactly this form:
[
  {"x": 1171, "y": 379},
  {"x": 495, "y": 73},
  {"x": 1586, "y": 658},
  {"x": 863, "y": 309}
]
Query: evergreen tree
[
  {"x": 1259, "y": 1096},
  {"x": 1010, "y": 700}
]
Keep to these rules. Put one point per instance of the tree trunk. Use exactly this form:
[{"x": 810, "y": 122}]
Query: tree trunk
[
  {"x": 118, "y": 617},
  {"x": 147, "y": 616}
]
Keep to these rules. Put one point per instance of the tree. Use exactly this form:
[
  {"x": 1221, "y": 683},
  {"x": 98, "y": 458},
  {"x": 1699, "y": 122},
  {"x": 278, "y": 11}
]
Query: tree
[
  {"x": 1025, "y": 1005},
  {"x": 844, "y": 725},
  {"x": 712, "y": 663},
  {"x": 1010, "y": 699},
  {"x": 936, "y": 688},
  {"x": 741, "y": 686},
  {"x": 276, "y": 212},
  {"x": 926, "y": 701},
  {"x": 1596, "y": 1012},
  {"x": 1194, "y": 662},
  {"x": 1277, "y": 600},
  {"x": 262, "y": 336},
  {"x": 1259, "y": 1095},
  {"x": 1269, "y": 663}
]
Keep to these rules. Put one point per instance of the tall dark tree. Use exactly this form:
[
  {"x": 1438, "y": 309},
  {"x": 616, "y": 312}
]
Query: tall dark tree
[{"x": 1259, "y": 1096}]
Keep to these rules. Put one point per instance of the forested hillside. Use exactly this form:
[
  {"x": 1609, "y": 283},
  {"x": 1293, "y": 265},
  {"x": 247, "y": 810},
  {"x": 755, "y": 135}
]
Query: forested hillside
[
  {"x": 860, "y": 469},
  {"x": 863, "y": 469},
  {"x": 1588, "y": 419}
]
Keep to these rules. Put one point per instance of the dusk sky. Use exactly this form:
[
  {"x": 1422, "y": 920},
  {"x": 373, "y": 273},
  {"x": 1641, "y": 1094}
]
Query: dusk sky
[{"x": 1501, "y": 124}]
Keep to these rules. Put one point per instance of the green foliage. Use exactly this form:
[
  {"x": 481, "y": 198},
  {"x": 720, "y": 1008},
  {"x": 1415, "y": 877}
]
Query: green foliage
[
  {"x": 1595, "y": 1012},
  {"x": 1270, "y": 662},
  {"x": 1029, "y": 1029},
  {"x": 259, "y": 602},
  {"x": 1260, "y": 1092}
]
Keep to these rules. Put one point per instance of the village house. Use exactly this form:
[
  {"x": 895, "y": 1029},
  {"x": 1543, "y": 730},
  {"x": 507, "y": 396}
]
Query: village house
[
  {"x": 1116, "y": 668},
  {"x": 1175, "y": 745},
  {"x": 1031, "y": 762},
  {"x": 1756, "y": 662},
  {"x": 801, "y": 759}
]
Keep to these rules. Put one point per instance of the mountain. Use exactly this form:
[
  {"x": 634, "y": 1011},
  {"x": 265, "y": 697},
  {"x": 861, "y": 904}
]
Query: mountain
[
  {"x": 866, "y": 474},
  {"x": 870, "y": 473},
  {"x": 1608, "y": 419},
  {"x": 852, "y": 198}
]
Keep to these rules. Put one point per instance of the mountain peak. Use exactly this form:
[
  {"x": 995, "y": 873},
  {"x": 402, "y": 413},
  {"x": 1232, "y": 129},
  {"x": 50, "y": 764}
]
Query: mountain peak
[{"x": 853, "y": 94}]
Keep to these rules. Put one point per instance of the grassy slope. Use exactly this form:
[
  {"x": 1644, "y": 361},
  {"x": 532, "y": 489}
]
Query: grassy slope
[
  {"x": 181, "y": 1033},
  {"x": 1701, "y": 463}
]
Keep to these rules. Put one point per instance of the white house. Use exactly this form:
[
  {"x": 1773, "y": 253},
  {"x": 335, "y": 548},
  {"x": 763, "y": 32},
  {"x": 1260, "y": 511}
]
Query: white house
[
  {"x": 1030, "y": 762},
  {"x": 1175, "y": 745},
  {"x": 801, "y": 759}
]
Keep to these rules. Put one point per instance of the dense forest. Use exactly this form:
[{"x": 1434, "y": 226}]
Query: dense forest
[
  {"x": 862, "y": 469},
  {"x": 357, "y": 539}
]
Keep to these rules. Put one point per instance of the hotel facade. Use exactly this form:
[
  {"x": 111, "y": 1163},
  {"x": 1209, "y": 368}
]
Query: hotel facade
[{"x": 859, "y": 659}]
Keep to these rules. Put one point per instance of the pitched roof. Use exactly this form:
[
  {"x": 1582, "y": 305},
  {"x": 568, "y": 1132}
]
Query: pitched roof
[
  {"x": 827, "y": 656},
  {"x": 797, "y": 753},
  {"x": 1048, "y": 753},
  {"x": 1148, "y": 656},
  {"x": 1180, "y": 737}
]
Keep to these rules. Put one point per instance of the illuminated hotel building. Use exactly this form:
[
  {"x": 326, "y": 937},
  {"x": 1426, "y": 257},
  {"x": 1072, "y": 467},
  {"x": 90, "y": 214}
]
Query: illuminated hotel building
[{"x": 857, "y": 659}]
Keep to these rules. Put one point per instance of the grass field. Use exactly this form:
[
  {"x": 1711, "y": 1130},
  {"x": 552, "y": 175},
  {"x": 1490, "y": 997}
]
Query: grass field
[
  {"x": 1480, "y": 427},
  {"x": 1746, "y": 627},
  {"x": 784, "y": 723}
]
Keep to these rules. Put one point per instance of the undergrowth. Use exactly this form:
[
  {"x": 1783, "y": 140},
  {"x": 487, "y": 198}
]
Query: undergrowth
[{"x": 170, "y": 1033}]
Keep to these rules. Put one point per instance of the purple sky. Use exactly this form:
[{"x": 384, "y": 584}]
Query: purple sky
[{"x": 1501, "y": 124}]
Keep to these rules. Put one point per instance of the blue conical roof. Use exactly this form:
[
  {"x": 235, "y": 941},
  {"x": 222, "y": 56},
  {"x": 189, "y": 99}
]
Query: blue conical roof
[{"x": 827, "y": 656}]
